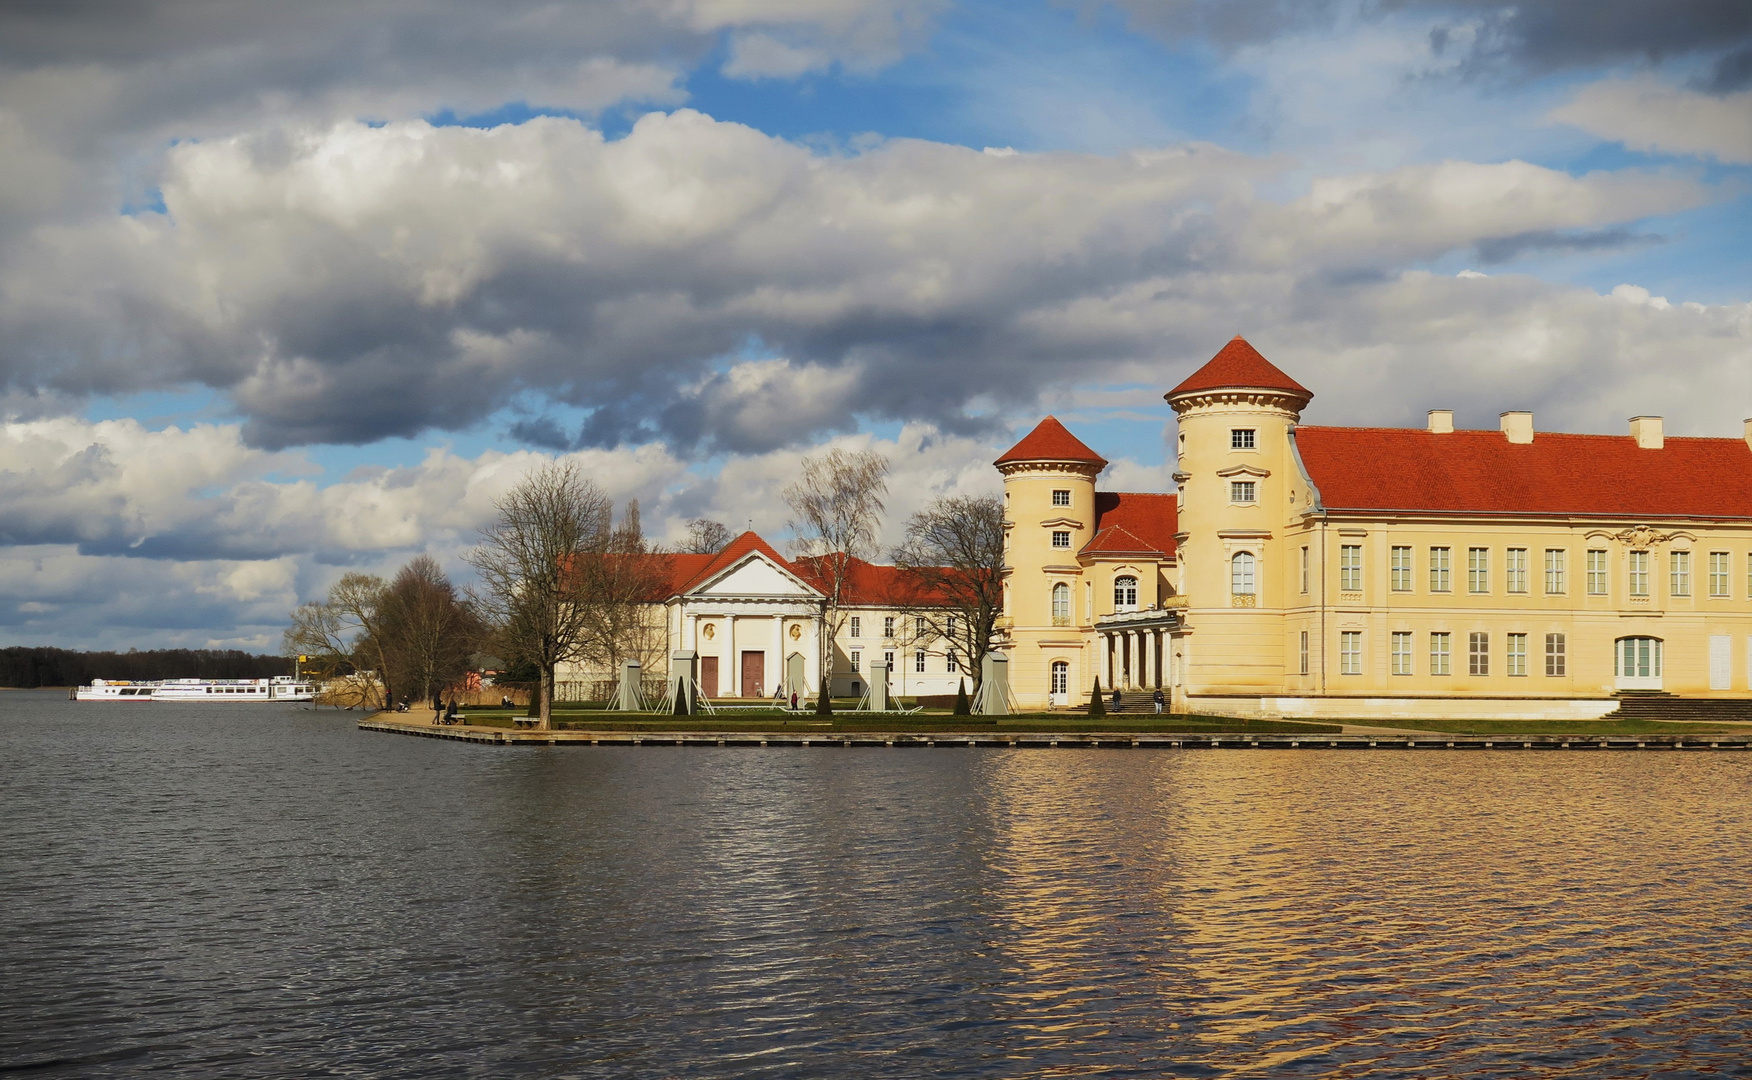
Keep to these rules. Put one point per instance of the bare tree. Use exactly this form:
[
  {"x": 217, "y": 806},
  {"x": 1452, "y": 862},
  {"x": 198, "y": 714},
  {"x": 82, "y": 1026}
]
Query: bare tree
[
  {"x": 343, "y": 632},
  {"x": 706, "y": 537},
  {"x": 429, "y": 634},
  {"x": 528, "y": 564},
  {"x": 954, "y": 557},
  {"x": 836, "y": 510},
  {"x": 623, "y": 585}
]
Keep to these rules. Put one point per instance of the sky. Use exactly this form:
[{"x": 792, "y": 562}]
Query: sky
[{"x": 289, "y": 290}]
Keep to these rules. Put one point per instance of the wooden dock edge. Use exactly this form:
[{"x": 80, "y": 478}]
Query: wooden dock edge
[{"x": 1119, "y": 740}]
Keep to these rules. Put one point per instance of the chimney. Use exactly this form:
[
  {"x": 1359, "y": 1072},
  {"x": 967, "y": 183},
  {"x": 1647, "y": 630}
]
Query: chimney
[
  {"x": 1646, "y": 430},
  {"x": 1518, "y": 426},
  {"x": 1749, "y": 433},
  {"x": 1442, "y": 421}
]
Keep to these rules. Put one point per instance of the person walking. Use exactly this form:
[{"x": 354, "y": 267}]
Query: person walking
[
  {"x": 1116, "y": 699},
  {"x": 1160, "y": 701}
]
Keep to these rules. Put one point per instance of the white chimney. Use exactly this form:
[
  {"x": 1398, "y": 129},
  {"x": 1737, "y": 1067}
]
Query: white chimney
[
  {"x": 1646, "y": 430},
  {"x": 1518, "y": 426},
  {"x": 1442, "y": 421}
]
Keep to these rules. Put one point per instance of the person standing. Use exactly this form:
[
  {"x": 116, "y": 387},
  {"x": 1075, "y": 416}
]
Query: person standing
[
  {"x": 1160, "y": 701},
  {"x": 450, "y": 712}
]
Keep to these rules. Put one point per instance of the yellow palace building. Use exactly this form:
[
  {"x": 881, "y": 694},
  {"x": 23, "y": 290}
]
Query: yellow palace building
[{"x": 1379, "y": 572}]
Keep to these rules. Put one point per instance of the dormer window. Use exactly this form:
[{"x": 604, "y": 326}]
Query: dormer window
[
  {"x": 1061, "y": 538},
  {"x": 1241, "y": 438},
  {"x": 1125, "y": 593},
  {"x": 1243, "y": 491},
  {"x": 1061, "y": 497}
]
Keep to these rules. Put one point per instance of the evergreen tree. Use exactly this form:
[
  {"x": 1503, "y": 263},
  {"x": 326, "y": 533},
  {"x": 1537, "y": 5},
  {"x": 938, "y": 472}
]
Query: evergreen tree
[
  {"x": 962, "y": 707},
  {"x": 824, "y": 703},
  {"x": 1097, "y": 707}
]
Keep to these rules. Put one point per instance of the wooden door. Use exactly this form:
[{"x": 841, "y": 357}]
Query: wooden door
[
  {"x": 709, "y": 676},
  {"x": 753, "y": 674}
]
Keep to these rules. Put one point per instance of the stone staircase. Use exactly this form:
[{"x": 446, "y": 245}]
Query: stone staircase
[
  {"x": 1660, "y": 705},
  {"x": 1132, "y": 701}
]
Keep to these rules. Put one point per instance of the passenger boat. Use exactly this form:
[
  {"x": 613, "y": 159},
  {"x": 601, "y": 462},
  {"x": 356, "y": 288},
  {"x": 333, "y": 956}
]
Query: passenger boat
[{"x": 279, "y": 688}]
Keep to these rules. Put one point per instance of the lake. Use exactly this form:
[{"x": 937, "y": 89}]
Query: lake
[{"x": 263, "y": 890}]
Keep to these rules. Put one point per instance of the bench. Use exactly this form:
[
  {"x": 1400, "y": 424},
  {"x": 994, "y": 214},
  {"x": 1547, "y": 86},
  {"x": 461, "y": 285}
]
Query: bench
[{"x": 526, "y": 721}]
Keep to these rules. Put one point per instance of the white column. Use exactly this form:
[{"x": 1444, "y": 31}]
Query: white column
[
  {"x": 1106, "y": 661},
  {"x": 812, "y": 658},
  {"x": 1149, "y": 639},
  {"x": 1137, "y": 657},
  {"x": 775, "y": 678},
  {"x": 729, "y": 668},
  {"x": 690, "y": 637}
]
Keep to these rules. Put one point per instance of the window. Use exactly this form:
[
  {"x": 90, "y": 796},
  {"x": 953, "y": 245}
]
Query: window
[
  {"x": 1402, "y": 652},
  {"x": 921, "y": 628},
  {"x": 1554, "y": 583},
  {"x": 1439, "y": 569},
  {"x": 950, "y": 664},
  {"x": 857, "y": 660},
  {"x": 1718, "y": 573},
  {"x": 1679, "y": 573},
  {"x": 857, "y": 626},
  {"x": 1061, "y": 604},
  {"x": 1439, "y": 647},
  {"x": 919, "y": 661},
  {"x": 1241, "y": 491},
  {"x": 1478, "y": 653},
  {"x": 1350, "y": 652},
  {"x": 1241, "y": 439},
  {"x": 1515, "y": 570},
  {"x": 1061, "y": 538},
  {"x": 1061, "y": 677},
  {"x": 888, "y": 660},
  {"x": 1596, "y": 573},
  {"x": 1305, "y": 576},
  {"x": 1516, "y": 654},
  {"x": 1304, "y": 647},
  {"x": 1639, "y": 573},
  {"x": 1401, "y": 569},
  {"x": 949, "y": 626},
  {"x": 1478, "y": 570},
  {"x": 888, "y": 626},
  {"x": 1350, "y": 567},
  {"x": 1125, "y": 593},
  {"x": 1241, "y": 574},
  {"x": 1639, "y": 658},
  {"x": 1554, "y": 655},
  {"x": 1061, "y": 497}
]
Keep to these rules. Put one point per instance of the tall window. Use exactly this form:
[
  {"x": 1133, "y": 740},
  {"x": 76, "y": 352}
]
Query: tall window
[
  {"x": 950, "y": 664},
  {"x": 857, "y": 626},
  {"x": 1350, "y": 567},
  {"x": 1402, "y": 652},
  {"x": 1305, "y": 576},
  {"x": 1554, "y": 655},
  {"x": 949, "y": 626},
  {"x": 1061, "y": 497},
  {"x": 1478, "y": 653},
  {"x": 1401, "y": 569},
  {"x": 1718, "y": 573},
  {"x": 920, "y": 627},
  {"x": 857, "y": 660},
  {"x": 1061, "y": 538},
  {"x": 888, "y": 626},
  {"x": 1596, "y": 573},
  {"x": 1061, "y": 677},
  {"x": 1679, "y": 573},
  {"x": 1241, "y": 573},
  {"x": 1639, "y": 658},
  {"x": 1241, "y": 438},
  {"x": 1439, "y": 569},
  {"x": 1554, "y": 583},
  {"x": 1478, "y": 570},
  {"x": 1125, "y": 593},
  {"x": 1061, "y": 604},
  {"x": 919, "y": 661},
  {"x": 1439, "y": 648},
  {"x": 1242, "y": 491},
  {"x": 1515, "y": 570},
  {"x": 888, "y": 660},
  {"x": 1350, "y": 652},
  {"x": 1639, "y": 573},
  {"x": 1515, "y": 655},
  {"x": 1304, "y": 648}
]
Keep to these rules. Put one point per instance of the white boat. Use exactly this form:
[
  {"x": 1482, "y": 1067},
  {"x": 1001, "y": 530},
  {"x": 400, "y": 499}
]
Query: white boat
[{"x": 279, "y": 688}]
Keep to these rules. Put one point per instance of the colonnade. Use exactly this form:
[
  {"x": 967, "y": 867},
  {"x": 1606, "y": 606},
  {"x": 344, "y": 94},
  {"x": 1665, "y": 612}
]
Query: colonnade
[{"x": 1133, "y": 657}]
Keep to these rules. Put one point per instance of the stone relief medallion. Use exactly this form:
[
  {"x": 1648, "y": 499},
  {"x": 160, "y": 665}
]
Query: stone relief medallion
[
  {"x": 709, "y": 631},
  {"x": 796, "y": 632}
]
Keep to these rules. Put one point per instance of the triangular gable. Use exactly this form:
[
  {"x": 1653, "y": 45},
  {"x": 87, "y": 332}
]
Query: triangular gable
[{"x": 748, "y": 566}]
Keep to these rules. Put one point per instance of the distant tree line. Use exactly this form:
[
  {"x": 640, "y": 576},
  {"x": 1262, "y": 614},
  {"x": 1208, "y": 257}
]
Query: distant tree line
[{"x": 31, "y": 666}]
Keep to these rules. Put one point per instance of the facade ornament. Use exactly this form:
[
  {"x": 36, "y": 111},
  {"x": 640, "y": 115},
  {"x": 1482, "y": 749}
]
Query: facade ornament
[{"x": 1642, "y": 536}]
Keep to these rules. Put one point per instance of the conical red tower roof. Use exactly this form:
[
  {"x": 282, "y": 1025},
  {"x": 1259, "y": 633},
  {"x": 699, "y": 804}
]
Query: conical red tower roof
[
  {"x": 1239, "y": 364},
  {"x": 1051, "y": 441}
]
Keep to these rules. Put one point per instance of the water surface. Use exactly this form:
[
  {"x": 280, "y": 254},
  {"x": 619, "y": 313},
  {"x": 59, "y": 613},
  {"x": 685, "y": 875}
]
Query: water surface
[{"x": 265, "y": 891}]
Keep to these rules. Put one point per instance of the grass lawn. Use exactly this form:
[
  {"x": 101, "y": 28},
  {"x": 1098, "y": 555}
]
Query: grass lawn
[
  {"x": 1560, "y": 727},
  {"x": 921, "y": 723}
]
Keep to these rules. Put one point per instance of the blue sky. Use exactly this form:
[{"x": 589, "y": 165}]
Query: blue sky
[{"x": 289, "y": 291}]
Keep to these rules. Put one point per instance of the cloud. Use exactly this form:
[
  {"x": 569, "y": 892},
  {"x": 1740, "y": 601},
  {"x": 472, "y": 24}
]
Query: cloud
[
  {"x": 1651, "y": 116},
  {"x": 347, "y": 282}
]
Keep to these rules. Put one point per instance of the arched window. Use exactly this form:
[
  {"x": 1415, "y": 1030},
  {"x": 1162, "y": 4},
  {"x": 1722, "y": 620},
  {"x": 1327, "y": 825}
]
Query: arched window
[
  {"x": 1241, "y": 574},
  {"x": 1125, "y": 593},
  {"x": 1061, "y": 604},
  {"x": 1061, "y": 677}
]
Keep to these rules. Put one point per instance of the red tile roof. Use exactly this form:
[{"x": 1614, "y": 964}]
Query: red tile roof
[
  {"x": 1239, "y": 364},
  {"x": 729, "y": 556},
  {"x": 1051, "y": 441},
  {"x": 1133, "y": 523},
  {"x": 1481, "y": 472},
  {"x": 867, "y": 583}
]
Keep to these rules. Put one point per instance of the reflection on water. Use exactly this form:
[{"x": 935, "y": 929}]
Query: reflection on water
[{"x": 246, "y": 891}]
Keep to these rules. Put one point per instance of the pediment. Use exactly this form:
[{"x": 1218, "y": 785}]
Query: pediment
[{"x": 755, "y": 575}]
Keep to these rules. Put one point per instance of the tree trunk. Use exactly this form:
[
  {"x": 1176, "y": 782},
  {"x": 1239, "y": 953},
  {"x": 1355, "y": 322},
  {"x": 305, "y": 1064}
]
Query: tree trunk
[{"x": 545, "y": 688}]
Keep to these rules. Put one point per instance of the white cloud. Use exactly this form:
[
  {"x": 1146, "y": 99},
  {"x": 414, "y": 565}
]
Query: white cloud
[{"x": 1649, "y": 115}]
